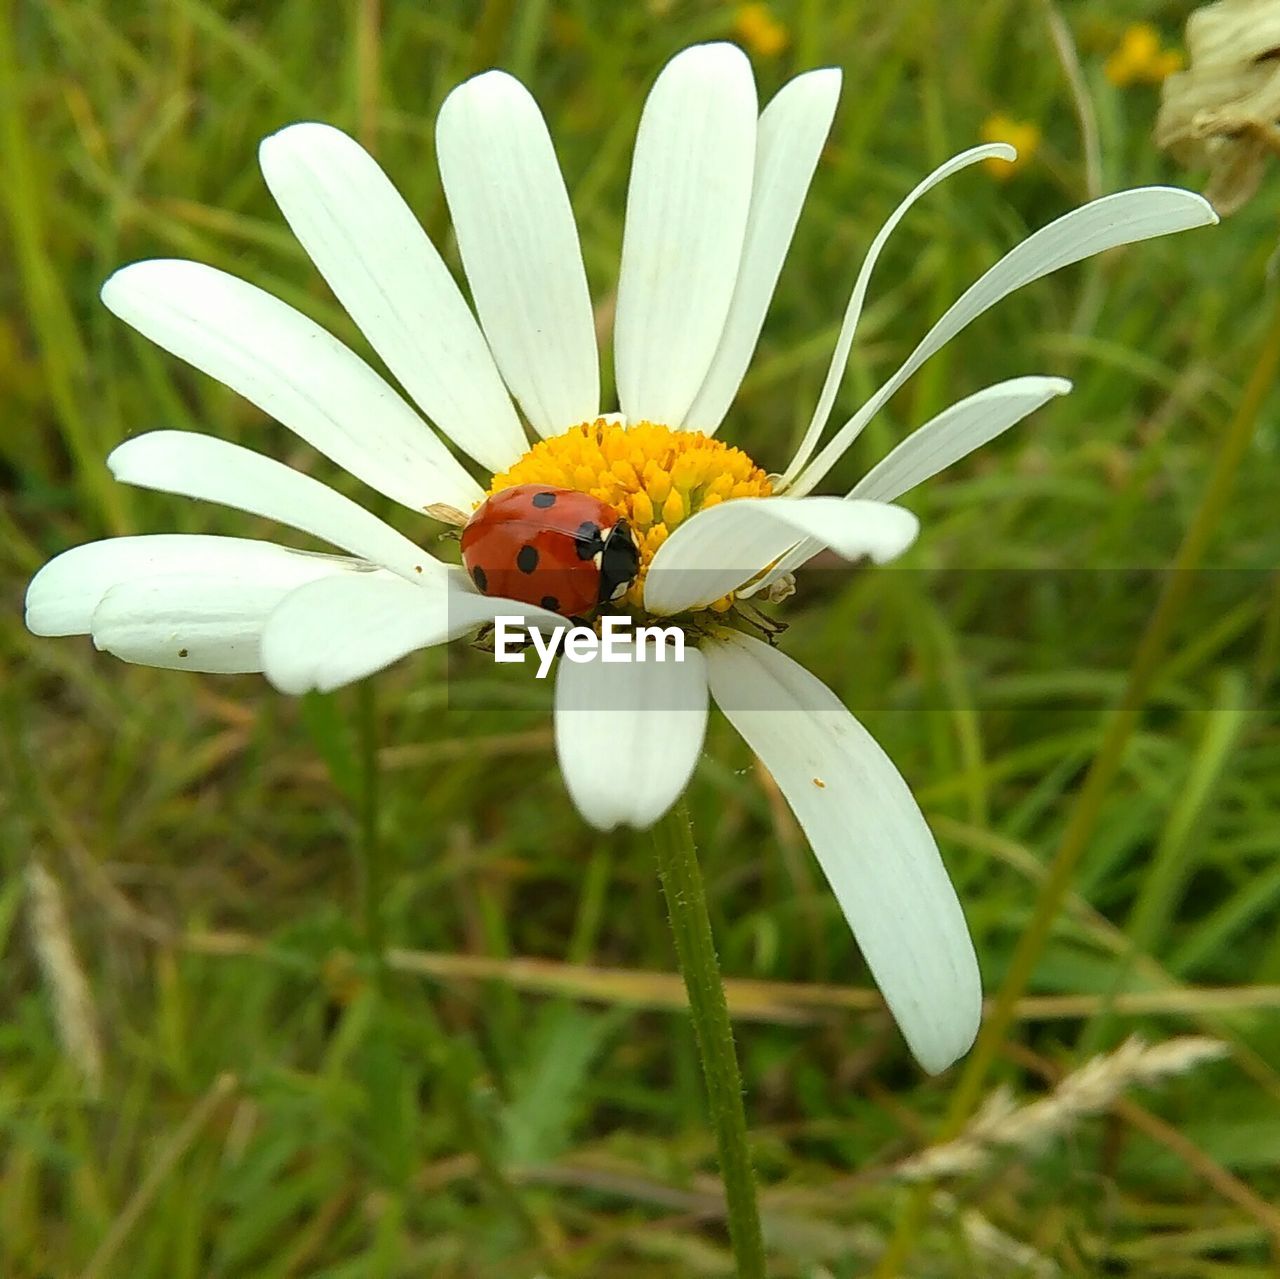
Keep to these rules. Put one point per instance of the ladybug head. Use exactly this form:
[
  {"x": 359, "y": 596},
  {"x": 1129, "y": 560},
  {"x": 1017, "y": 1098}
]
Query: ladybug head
[{"x": 619, "y": 562}]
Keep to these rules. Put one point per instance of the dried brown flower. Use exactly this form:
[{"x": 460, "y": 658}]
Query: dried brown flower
[{"x": 1223, "y": 112}]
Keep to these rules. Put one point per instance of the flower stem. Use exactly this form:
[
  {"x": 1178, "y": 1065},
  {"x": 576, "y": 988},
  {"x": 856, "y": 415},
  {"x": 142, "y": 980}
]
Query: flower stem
[{"x": 696, "y": 954}]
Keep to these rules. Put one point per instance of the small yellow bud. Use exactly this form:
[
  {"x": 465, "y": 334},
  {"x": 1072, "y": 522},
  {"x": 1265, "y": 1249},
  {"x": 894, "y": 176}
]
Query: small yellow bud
[
  {"x": 657, "y": 483},
  {"x": 673, "y": 509},
  {"x": 641, "y": 509}
]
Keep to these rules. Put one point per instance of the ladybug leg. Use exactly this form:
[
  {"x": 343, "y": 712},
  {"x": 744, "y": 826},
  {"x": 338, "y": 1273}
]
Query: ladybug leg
[
  {"x": 484, "y": 640},
  {"x": 770, "y": 628}
]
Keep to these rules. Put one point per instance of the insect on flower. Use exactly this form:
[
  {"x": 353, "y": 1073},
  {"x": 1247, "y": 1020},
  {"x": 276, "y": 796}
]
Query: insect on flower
[
  {"x": 563, "y": 550},
  {"x": 715, "y": 192}
]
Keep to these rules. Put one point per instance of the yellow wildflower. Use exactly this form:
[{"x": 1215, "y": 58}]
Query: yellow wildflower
[
  {"x": 759, "y": 30},
  {"x": 1140, "y": 59},
  {"x": 1022, "y": 135}
]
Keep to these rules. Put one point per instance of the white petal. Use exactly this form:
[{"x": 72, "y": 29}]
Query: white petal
[
  {"x": 1124, "y": 218},
  {"x": 792, "y": 131},
  {"x": 379, "y": 262},
  {"x": 332, "y": 633},
  {"x": 629, "y": 734},
  {"x": 853, "y": 312},
  {"x": 953, "y": 434},
  {"x": 519, "y": 245},
  {"x": 189, "y": 622},
  {"x": 868, "y": 835},
  {"x": 63, "y": 595},
  {"x": 214, "y": 470},
  {"x": 292, "y": 369},
  {"x": 718, "y": 549},
  {"x": 687, "y": 205}
]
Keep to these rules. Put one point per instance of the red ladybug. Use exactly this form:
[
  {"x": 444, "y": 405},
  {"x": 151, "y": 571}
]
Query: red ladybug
[{"x": 559, "y": 548}]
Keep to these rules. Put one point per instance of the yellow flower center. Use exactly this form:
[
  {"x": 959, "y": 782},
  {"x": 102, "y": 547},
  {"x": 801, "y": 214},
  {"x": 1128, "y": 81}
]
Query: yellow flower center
[{"x": 654, "y": 477}]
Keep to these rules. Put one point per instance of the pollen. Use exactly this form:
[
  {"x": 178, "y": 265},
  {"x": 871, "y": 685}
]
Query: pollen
[{"x": 653, "y": 476}]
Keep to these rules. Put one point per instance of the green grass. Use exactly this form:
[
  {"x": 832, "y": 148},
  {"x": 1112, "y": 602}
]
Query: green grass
[{"x": 272, "y": 1103}]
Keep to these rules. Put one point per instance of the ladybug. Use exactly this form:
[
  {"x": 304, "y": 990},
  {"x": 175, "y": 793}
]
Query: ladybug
[{"x": 564, "y": 550}]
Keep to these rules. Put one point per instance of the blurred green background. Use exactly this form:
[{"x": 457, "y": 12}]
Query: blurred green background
[{"x": 202, "y": 1073}]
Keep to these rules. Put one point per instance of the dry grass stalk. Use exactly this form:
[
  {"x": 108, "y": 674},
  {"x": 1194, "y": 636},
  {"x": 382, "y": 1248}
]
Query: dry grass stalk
[
  {"x": 74, "y": 1011},
  {"x": 1069, "y": 56},
  {"x": 1002, "y": 1124},
  {"x": 1003, "y": 1253}
]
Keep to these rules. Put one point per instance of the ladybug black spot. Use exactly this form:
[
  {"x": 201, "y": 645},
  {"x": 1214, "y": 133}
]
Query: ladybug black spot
[
  {"x": 588, "y": 539},
  {"x": 479, "y": 577},
  {"x": 543, "y": 500},
  {"x": 550, "y": 602},
  {"x": 527, "y": 558}
]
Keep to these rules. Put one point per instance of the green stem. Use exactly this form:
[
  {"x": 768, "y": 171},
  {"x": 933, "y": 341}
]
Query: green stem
[
  {"x": 1087, "y": 810},
  {"x": 696, "y": 954}
]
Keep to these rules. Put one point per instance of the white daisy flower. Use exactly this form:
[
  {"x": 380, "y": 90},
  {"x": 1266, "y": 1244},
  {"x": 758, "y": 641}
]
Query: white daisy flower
[{"x": 715, "y": 193}]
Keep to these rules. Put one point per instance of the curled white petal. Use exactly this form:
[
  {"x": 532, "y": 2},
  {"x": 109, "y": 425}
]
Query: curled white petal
[
  {"x": 792, "y": 131},
  {"x": 869, "y": 837},
  {"x": 1124, "y": 218},
  {"x": 853, "y": 312},
  {"x": 520, "y": 248},
  {"x": 366, "y": 242},
  {"x": 205, "y": 467},
  {"x": 687, "y": 204},
  {"x": 720, "y": 548},
  {"x": 628, "y": 734},
  {"x": 294, "y": 370}
]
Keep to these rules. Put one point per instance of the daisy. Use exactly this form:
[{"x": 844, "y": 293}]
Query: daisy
[{"x": 715, "y": 192}]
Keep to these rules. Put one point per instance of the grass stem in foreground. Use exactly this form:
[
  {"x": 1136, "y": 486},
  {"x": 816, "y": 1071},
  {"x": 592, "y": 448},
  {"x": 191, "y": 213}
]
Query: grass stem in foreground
[{"x": 696, "y": 954}]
